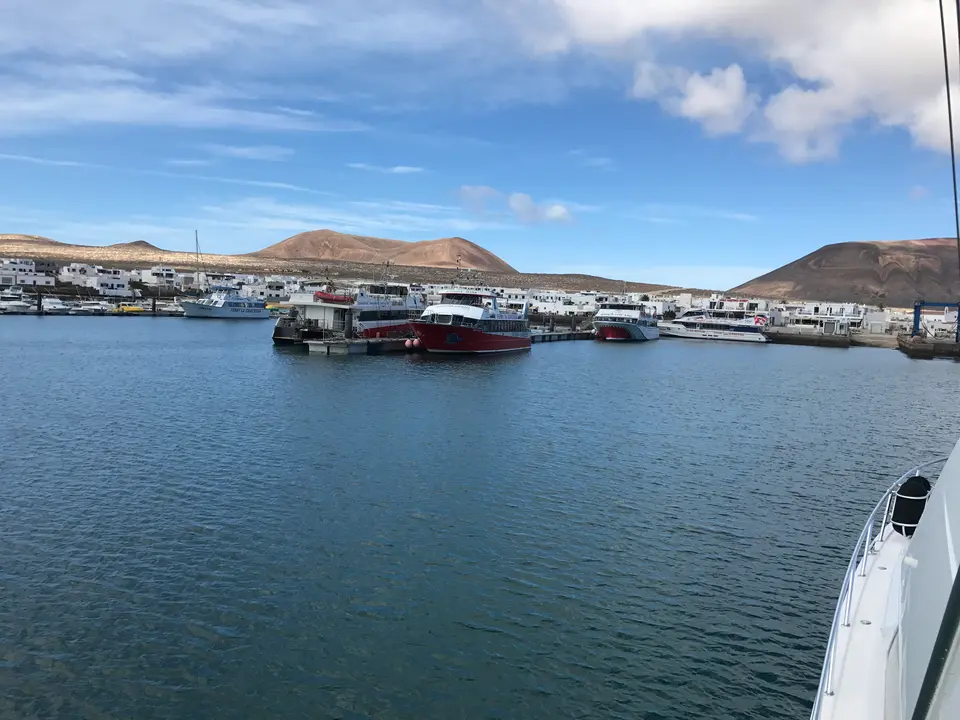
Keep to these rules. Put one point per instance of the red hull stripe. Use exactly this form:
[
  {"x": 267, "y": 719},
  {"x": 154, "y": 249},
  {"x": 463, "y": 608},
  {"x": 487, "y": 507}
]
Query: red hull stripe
[{"x": 457, "y": 339}]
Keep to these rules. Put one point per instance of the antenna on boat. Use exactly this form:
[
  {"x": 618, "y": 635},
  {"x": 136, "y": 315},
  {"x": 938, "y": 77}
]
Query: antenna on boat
[{"x": 953, "y": 156}]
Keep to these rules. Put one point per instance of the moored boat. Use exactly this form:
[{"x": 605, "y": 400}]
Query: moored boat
[
  {"x": 625, "y": 322},
  {"x": 707, "y": 325},
  {"x": 469, "y": 322},
  {"x": 226, "y": 304},
  {"x": 363, "y": 310}
]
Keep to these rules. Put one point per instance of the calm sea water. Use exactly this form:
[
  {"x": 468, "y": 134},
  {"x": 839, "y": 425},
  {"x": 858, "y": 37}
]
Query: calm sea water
[{"x": 196, "y": 524}]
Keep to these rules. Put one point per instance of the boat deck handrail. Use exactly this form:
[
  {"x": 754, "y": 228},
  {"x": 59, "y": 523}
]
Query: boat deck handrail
[{"x": 864, "y": 546}]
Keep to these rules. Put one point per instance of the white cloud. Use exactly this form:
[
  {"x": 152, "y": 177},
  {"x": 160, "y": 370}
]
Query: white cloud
[
  {"x": 394, "y": 170},
  {"x": 917, "y": 192},
  {"x": 484, "y": 200},
  {"x": 271, "y": 153},
  {"x": 527, "y": 211},
  {"x": 845, "y": 61}
]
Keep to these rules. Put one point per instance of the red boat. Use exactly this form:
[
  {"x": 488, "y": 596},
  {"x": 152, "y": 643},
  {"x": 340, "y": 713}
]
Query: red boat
[{"x": 466, "y": 322}]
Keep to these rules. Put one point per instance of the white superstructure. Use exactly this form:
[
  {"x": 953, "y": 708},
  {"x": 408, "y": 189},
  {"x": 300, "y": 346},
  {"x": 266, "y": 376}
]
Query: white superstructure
[{"x": 226, "y": 304}]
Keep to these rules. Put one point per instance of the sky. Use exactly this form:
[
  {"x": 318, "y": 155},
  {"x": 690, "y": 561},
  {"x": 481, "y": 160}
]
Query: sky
[{"x": 692, "y": 142}]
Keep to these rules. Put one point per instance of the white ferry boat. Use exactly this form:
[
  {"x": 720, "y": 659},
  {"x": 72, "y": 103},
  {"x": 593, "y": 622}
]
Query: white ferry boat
[
  {"x": 625, "y": 322},
  {"x": 226, "y": 304},
  {"x": 363, "y": 310},
  {"x": 893, "y": 652},
  {"x": 710, "y": 325}
]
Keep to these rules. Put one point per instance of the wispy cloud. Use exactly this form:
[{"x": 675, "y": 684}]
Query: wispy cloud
[
  {"x": 226, "y": 180},
  {"x": 670, "y": 213},
  {"x": 187, "y": 162},
  {"x": 593, "y": 161},
  {"x": 41, "y": 98},
  {"x": 269, "y": 153},
  {"x": 918, "y": 192},
  {"x": 389, "y": 170},
  {"x": 45, "y": 161}
]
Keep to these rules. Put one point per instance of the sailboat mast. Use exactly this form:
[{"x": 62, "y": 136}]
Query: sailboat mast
[{"x": 953, "y": 156}]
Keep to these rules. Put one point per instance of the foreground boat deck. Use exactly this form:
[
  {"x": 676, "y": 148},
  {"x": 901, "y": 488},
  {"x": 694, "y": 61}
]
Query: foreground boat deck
[{"x": 865, "y": 636}]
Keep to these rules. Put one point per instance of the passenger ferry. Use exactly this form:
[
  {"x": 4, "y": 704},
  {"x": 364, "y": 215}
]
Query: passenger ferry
[
  {"x": 471, "y": 322},
  {"x": 363, "y": 310},
  {"x": 625, "y": 322},
  {"x": 711, "y": 325},
  {"x": 226, "y": 304}
]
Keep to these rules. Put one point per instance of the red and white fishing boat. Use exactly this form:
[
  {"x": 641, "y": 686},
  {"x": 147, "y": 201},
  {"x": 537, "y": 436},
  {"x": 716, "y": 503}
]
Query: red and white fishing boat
[
  {"x": 467, "y": 321},
  {"x": 365, "y": 310},
  {"x": 625, "y": 322}
]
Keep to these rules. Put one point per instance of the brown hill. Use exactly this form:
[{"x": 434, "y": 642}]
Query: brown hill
[
  {"x": 136, "y": 245},
  {"x": 330, "y": 245},
  {"x": 892, "y": 273}
]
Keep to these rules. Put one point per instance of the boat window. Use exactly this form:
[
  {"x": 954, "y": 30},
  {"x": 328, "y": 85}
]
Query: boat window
[{"x": 443, "y": 319}]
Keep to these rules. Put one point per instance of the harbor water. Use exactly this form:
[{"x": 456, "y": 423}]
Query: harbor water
[{"x": 196, "y": 524}]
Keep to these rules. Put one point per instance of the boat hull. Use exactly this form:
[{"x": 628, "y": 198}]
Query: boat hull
[
  {"x": 195, "y": 310},
  {"x": 625, "y": 332},
  {"x": 455, "y": 339}
]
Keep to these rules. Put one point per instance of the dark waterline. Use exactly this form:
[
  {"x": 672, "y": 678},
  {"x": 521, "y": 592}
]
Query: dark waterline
[{"x": 196, "y": 524}]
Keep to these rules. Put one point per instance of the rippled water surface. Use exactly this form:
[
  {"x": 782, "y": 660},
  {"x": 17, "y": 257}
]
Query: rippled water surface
[{"x": 196, "y": 524}]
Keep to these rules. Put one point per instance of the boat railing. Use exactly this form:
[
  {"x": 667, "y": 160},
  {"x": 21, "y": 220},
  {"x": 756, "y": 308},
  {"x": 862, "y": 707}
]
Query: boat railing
[{"x": 866, "y": 545}]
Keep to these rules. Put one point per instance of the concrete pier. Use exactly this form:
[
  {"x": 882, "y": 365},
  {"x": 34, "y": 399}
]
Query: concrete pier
[{"x": 371, "y": 346}]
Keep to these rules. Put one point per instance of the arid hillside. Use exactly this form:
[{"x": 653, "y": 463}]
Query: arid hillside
[
  {"x": 891, "y": 273},
  {"x": 330, "y": 245}
]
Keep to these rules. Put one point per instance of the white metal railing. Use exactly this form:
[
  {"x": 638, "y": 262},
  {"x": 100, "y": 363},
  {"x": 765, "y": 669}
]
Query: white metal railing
[{"x": 865, "y": 546}]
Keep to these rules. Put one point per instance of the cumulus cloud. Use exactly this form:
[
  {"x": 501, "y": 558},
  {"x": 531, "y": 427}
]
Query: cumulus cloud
[
  {"x": 484, "y": 200},
  {"x": 720, "y": 101},
  {"x": 846, "y": 61}
]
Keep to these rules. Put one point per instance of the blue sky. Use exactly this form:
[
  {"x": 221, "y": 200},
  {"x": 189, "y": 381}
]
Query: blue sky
[{"x": 692, "y": 143}]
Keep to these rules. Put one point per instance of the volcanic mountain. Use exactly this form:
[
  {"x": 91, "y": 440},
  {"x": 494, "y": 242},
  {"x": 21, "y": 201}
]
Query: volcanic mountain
[
  {"x": 892, "y": 273},
  {"x": 330, "y": 245}
]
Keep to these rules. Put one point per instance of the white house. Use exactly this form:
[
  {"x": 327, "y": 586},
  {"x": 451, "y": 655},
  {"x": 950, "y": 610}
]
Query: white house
[
  {"x": 109, "y": 282},
  {"x": 162, "y": 275},
  {"x": 17, "y": 271}
]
